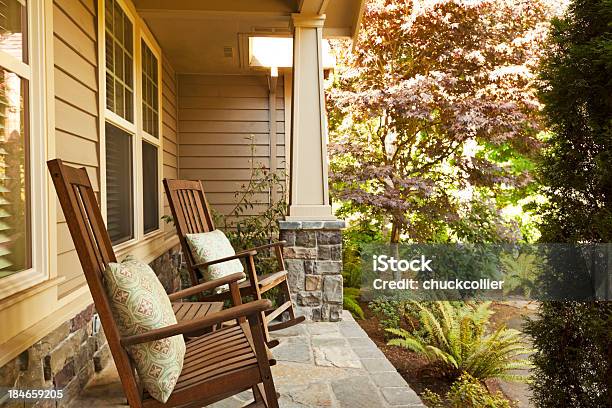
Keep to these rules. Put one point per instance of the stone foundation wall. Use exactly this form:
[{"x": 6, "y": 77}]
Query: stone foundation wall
[
  {"x": 313, "y": 257},
  {"x": 69, "y": 356},
  {"x": 167, "y": 267},
  {"x": 64, "y": 359}
]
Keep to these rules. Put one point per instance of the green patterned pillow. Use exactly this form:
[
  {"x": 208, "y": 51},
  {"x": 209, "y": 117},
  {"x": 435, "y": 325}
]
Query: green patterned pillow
[
  {"x": 209, "y": 246},
  {"x": 139, "y": 304}
]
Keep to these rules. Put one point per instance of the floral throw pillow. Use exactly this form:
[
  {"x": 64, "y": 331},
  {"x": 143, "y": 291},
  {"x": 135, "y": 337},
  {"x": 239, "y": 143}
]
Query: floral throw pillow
[
  {"x": 209, "y": 246},
  {"x": 139, "y": 303}
]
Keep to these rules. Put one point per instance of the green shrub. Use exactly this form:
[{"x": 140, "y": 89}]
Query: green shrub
[
  {"x": 466, "y": 392},
  {"x": 456, "y": 337},
  {"x": 573, "y": 364},
  {"x": 573, "y": 342},
  {"x": 389, "y": 312},
  {"x": 353, "y": 239},
  {"x": 352, "y": 292},
  {"x": 351, "y": 304}
]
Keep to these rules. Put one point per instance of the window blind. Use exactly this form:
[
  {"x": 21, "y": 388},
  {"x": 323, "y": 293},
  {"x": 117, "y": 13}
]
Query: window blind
[
  {"x": 119, "y": 184},
  {"x": 150, "y": 187}
]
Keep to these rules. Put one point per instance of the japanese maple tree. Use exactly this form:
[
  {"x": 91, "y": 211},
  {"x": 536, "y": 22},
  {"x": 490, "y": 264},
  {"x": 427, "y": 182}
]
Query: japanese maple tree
[{"x": 435, "y": 98}]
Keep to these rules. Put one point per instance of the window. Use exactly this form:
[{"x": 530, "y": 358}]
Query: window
[
  {"x": 13, "y": 37},
  {"x": 150, "y": 189},
  {"x": 131, "y": 64},
  {"x": 119, "y": 61},
  {"x": 119, "y": 196},
  {"x": 150, "y": 103},
  {"x": 22, "y": 148},
  {"x": 15, "y": 219}
]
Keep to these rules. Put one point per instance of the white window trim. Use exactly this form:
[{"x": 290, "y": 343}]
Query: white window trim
[
  {"x": 144, "y": 35},
  {"x": 34, "y": 73},
  {"x": 138, "y": 135}
]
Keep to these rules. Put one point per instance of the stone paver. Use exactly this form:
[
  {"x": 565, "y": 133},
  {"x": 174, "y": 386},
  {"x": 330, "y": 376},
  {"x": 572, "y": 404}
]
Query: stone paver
[
  {"x": 401, "y": 396},
  {"x": 368, "y": 352},
  {"x": 323, "y": 328},
  {"x": 295, "y": 349},
  {"x": 334, "y": 352},
  {"x": 318, "y": 365},
  {"x": 377, "y": 365},
  {"x": 388, "y": 379},
  {"x": 356, "y": 392}
]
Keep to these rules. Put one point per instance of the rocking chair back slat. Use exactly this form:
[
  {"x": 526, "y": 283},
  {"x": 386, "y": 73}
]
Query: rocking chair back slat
[
  {"x": 190, "y": 212},
  {"x": 95, "y": 251}
]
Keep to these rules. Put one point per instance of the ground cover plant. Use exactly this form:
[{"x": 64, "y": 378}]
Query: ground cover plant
[{"x": 466, "y": 392}]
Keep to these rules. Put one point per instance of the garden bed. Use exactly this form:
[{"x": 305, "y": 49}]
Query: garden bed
[{"x": 417, "y": 371}]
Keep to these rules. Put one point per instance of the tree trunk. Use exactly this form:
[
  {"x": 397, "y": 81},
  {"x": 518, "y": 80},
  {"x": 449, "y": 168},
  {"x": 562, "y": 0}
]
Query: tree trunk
[
  {"x": 395, "y": 231},
  {"x": 395, "y": 238}
]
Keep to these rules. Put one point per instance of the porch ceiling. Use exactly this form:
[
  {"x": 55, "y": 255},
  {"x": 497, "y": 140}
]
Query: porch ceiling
[{"x": 210, "y": 36}]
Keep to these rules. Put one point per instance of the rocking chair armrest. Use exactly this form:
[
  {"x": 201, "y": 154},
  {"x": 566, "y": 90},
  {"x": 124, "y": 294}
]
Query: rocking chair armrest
[
  {"x": 234, "y": 277},
  {"x": 243, "y": 254},
  {"x": 251, "y": 309},
  {"x": 271, "y": 245}
]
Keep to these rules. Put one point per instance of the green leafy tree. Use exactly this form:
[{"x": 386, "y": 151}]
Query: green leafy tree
[
  {"x": 433, "y": 110},
  {"x": 573, "y": 365}
]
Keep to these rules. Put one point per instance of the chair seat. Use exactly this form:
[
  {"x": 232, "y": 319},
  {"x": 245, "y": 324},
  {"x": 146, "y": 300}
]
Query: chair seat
[
  {"x": 267, "y": 280},
  {"x": 193, "y": 310},
  {"x": 213, "y": 357}
]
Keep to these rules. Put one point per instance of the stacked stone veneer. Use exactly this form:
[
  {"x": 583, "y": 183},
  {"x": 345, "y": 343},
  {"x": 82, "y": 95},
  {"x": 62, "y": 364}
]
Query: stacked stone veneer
[
  {"x": 69, "y": 356},
  {"x": 64, "y": 359},
  {"x": 313, "y": 258}
]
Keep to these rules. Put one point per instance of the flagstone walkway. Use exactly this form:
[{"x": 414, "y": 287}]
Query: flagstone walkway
[{"x": 318, "y": 365}]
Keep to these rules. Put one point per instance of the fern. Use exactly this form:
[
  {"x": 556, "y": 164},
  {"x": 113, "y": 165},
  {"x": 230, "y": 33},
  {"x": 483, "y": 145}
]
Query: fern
[
  {"x": 352, "y": 306},
  {"x": 350, "y": 303},
  {"x": 457, "y": 338},
  {"x": 521, "y": 273}
]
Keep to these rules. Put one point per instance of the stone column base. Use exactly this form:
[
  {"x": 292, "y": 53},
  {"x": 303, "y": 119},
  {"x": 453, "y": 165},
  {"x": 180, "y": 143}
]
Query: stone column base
[{"x": 313, "y": 258}]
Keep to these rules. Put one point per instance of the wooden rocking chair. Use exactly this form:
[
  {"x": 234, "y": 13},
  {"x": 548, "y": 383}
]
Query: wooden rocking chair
[
  {"x": 217, "y": 365},
  {"x": 192, "y": 215}
]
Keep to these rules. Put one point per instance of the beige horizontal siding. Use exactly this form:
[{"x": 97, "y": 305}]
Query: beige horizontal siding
[
  {"x": 224, "y": 127},
  {"x": 169, "y": 133},
  {"x": 76, "y": 113},
  {"x": 253, "y": 115},
  {"x": 221, "y": 150},
  {"x": 227, "y": 139},
  {"x": 214, "y": 102}
]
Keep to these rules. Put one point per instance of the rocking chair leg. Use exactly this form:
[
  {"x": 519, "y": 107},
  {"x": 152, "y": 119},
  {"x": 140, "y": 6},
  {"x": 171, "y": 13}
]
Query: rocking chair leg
[
  {"x": 272, "y": 343},
  {"x": 269, "y": 393},
  {"x": 257, "y": 394},
  {"x": 287, "y": 295},
  {"x": 285, "y": 324},
  {"x": 293, "y": 320},
  {"x": 259, "y": 401}
]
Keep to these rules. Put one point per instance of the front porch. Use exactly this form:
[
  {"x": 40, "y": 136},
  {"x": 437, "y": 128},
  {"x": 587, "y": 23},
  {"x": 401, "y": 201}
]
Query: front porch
[
  {"x": 138, "y": 91},
  {"x": 319, "y": 364}
]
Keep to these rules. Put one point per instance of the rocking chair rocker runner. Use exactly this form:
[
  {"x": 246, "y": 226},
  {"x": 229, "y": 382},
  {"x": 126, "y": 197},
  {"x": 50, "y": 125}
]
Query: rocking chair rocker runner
[
  {"x": 192, "y": 216},
  {"x": 217, "y": 364}
]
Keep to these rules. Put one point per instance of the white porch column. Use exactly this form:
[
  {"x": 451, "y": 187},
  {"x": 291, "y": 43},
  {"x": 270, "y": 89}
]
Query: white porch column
[{"x": 309, "y": 191}]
